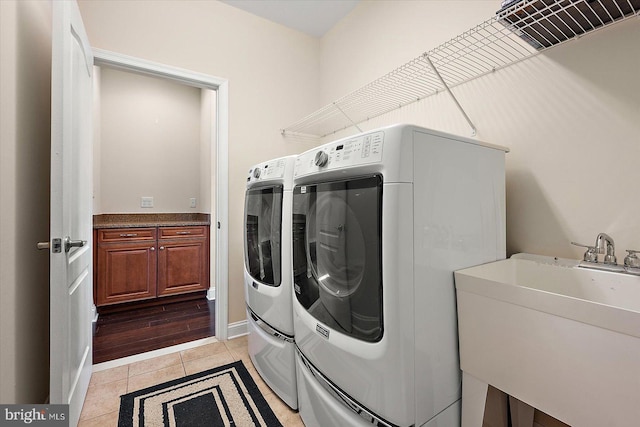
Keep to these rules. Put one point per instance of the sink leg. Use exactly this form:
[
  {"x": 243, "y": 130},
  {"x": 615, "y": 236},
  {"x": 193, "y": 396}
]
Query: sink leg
[
  {"x": 474, "y": 397},
  {"x": 521, "y": 413}
]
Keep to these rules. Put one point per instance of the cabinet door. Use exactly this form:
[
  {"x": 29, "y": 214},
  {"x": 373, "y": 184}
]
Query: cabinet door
[
  {"x": 182, "y": 266},
  {"x": 126, "y": 272}
]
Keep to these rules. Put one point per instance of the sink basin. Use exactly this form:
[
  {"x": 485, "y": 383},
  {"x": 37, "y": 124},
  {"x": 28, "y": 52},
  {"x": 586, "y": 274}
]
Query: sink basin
[
  {"x": 558, "y": 286},
  {"x": 563, "y": 339}
]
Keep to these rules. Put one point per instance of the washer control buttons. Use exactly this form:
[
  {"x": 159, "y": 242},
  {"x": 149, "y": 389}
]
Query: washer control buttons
[
  {"x": 256, "y": 173},
  {"x": 321, "y": 158}
]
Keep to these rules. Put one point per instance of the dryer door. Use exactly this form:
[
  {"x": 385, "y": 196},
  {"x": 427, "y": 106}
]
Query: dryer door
[
  {"x": 262, "y": 234},
  {"x": 337, "y": 253}
]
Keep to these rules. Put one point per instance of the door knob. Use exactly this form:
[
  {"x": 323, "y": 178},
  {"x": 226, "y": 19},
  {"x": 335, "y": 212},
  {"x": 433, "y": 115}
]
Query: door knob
[{"x": 68, "y": 244}]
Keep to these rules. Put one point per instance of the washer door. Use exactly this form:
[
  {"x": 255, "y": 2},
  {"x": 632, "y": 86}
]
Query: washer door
[
  {"x": 262, "y": 234},
  {"x": 337, "y": 253}
]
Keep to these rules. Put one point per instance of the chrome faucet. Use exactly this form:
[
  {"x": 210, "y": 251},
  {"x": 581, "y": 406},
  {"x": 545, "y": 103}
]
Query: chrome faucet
[
  {"x": 604, "y": 243},
  {"x": 609, "y": 246}
]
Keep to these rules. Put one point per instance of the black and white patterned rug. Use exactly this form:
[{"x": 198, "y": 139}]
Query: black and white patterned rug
[{"x": 223, "y": 396}]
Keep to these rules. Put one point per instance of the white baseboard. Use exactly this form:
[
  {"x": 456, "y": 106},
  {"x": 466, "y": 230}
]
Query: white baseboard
[
  {"x": 237, "y": 329},
  {"x": 211, "y": 293}
]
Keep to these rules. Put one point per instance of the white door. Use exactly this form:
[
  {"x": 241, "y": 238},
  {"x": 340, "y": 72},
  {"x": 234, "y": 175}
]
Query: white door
[{"x": 71, "y": 282}]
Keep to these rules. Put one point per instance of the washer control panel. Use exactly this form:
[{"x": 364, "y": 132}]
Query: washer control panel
[
  {"x": 273, "y": 169},
  {"x": 360, "y": 150}
]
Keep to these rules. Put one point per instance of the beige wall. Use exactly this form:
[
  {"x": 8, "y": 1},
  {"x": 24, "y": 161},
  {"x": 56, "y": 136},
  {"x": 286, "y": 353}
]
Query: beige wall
[
  {"x": 571, "y": 117},
  {"x": 149, "y": 143},
  {"x": 25, "y": 135},
  {"x": 378, "y": 36},
  {"x": 273, "y": 75}
]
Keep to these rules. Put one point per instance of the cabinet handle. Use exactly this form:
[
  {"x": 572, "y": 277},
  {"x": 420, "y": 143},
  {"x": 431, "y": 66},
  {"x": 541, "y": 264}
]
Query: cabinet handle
[
  {"x": 162, "y": 248},
  {"x": 129, "y": 235},
  {"x": 183, "y": 232},
  {"x": 152, "y": 248}
]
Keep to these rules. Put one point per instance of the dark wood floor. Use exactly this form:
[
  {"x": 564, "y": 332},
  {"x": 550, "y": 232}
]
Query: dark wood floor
[{"x": 139, "y": 330}]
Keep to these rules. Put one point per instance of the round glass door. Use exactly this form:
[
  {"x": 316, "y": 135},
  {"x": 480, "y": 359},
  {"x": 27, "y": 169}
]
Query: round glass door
[
  {"x": 262, "y": 234},
  {"x": 339, "y": 245},
  {"x": 337, "y": 254}
]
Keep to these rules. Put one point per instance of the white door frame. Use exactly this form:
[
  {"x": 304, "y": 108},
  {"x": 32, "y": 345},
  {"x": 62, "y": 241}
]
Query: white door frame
[{"x": 221, "y": 188}]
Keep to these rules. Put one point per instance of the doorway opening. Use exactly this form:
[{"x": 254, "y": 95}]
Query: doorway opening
[{"x": 191, "y": 170}]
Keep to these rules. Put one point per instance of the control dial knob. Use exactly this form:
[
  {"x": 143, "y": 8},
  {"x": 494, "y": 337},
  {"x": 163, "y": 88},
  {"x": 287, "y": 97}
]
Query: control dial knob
[
  {"x": 256, "y": 173},
  {"x": 321, "y": 158}
]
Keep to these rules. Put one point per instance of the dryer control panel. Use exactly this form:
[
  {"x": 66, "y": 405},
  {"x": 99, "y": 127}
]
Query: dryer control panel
[
  {"x": 273, "y": 169},
  {"x": 359, "y": 150}
]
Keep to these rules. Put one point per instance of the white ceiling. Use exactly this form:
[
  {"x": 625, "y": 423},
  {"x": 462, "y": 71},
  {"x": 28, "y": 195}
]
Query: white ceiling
[{"x": 314, "y": 17}]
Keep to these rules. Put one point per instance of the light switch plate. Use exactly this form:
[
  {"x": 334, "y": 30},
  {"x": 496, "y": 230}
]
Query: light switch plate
[
  {"x": 146, "y": 202},
  {"x": 192, "y": 202}
]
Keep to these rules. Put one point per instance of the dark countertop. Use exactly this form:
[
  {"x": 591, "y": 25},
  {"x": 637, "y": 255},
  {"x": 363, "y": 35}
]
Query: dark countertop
[{"x": 150, "y": 220}]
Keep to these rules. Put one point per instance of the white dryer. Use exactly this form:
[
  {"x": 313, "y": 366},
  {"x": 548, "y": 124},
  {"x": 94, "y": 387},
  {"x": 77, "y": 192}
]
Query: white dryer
[
  {"x": 381, "y": 221},
  {"x": 268, "y": 275}
]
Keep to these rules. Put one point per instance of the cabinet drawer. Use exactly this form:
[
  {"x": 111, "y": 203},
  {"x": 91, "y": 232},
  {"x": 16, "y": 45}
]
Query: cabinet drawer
[
  {"x": 110, "y": 235},
  {"x": 182, "y": 232}
]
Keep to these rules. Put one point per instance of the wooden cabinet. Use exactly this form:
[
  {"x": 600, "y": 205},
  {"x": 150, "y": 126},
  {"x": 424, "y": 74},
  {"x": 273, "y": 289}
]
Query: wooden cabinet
[
  {"x": 183, "y": 260},
  {"x": 135, "y": 264},
  {"x": 126, "y": 265}
]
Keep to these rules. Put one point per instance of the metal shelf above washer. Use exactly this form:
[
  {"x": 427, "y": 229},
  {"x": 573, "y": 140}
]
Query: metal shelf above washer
[{"x": 517, "y": 32}]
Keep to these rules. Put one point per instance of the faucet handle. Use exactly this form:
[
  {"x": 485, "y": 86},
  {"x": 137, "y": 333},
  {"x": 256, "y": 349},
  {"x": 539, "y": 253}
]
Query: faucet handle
[
  {"x": 591, "y": 255},
  {"x": 610, "y": 259},
  {"x": 632, "y": 260}
]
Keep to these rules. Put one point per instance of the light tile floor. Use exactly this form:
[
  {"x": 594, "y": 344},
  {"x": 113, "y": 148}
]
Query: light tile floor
[{"x": 103, "y": 398}]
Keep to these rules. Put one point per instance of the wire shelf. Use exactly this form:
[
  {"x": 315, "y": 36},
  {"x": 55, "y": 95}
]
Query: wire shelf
[{"x": 517, "y": 32}]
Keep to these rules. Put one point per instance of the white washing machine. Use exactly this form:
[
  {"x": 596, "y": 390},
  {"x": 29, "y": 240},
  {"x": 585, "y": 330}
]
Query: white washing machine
[
  {"x": 381, "y": 221},
  {"x": 268, "y": 275}
]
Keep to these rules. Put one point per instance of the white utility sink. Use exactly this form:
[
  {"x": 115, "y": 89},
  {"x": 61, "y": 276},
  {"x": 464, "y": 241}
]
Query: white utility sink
[{"x": 563, "y": 339}]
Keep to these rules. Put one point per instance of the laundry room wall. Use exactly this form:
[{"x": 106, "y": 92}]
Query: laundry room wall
[
  {"x": 150, "y": 144},
  {"x": 158, "y": 139},
  {"x": 25, "y": 152},
  {"x": 273, "y": 75},
  {"x": 569, "y": 115}
]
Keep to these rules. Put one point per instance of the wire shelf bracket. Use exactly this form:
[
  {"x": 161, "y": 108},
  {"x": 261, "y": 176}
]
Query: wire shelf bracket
[
  {"x": 455, "y": 100},
  {"x": 520, "y": 30}
]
